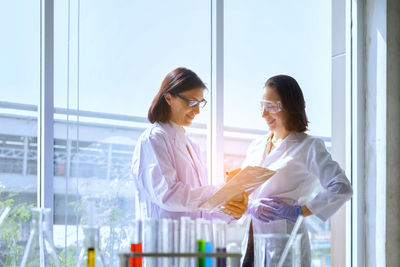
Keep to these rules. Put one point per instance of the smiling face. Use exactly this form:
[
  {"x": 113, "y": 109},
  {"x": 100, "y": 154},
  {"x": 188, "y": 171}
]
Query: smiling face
[
  {"x": 180, "y": 112},
  {"x": 275, "y": 121}
]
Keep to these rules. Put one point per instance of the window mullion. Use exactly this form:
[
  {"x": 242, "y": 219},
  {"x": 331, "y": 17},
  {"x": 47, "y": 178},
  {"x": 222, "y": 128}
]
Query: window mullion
[
  {"x": 46, "y": 107},
  {"x": 216, "y": 144}
]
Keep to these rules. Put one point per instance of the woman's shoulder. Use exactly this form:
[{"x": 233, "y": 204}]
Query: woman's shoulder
[
  {"x": 310, "y": 141},
  {"x": 258, "y": 141},
  {"x": 155, "y": 132}
]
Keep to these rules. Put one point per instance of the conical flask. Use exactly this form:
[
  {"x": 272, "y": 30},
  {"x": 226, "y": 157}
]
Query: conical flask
[
  {"x": 40, "y": 249},
  {"x": 90, "y": 254}
]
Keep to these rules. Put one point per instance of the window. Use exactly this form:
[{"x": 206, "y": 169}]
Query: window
[
  {"x": 263, "y": 39},
  {"x": 19, "y": 97},
  {"x": 109, "y": 61},
  {"x": 107, "y": 71}
]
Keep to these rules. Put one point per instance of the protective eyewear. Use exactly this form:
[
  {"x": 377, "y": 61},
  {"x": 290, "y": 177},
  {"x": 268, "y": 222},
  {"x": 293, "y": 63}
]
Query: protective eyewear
[
  {"x": 270, "y": 106},
  {"x": 193, "y": 103}
]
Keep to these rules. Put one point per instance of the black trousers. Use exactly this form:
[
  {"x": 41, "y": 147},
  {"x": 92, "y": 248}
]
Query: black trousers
[{"x": 248, "y": 260}]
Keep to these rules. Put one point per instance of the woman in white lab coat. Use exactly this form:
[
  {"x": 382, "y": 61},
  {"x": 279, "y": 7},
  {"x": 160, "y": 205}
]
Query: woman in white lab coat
[
  {"x": 307, "y": 183},
  {"x": 167, "y": 165}
]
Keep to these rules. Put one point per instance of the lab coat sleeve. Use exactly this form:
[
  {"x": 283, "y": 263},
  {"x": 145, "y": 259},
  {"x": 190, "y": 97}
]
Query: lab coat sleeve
[
  {"x": 337, "y": 188},
  {"x": 154, "y": 168}
]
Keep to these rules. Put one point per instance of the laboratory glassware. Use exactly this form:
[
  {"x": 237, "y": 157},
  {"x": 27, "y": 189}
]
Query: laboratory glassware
[
  {"x": 90, "y": 254},
  {"x": 136, "y": 242},
  {"x": 219, "y": 235},
  {"x": 268, "y": 249},
  {"x": 40, "y": 249}
]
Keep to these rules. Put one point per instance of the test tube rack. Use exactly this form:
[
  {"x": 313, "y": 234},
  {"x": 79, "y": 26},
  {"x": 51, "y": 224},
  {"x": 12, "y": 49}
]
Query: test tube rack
[{"x": 235, "y": 257}]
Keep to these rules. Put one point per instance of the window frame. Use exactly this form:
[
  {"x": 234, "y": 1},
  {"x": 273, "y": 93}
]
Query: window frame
[{"x": 45, "y": 191}]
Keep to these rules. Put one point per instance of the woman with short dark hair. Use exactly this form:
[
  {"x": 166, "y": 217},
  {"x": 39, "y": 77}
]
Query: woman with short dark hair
[
  {"x": 307, "y": 180},
  {"x": 167, "y": 164}
]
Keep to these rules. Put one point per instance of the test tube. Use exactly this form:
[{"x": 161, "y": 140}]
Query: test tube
[
  {"x": 192, "y": 241},
  {"x": 185, "y": 239},
  {"x": 150, "y": 240},
  {"x": 174, "y": 228},
  {"x": 164, "y": 241},
  {"x": 91, "y": 254},
  {"x": 219, "y": 235},
  {"x": 203, "y": 236},
  {"x": 136, "y": 240},
  {"x": 208, "y": 244},
  {"x": 201, "y": 243}
]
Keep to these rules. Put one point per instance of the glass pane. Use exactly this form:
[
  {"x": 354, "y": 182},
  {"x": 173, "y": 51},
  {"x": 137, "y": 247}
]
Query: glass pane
[
  {"x": 125, "y": 51},
  {"x": 19, "y": 97},
  {"x": 267, "y": 38}
]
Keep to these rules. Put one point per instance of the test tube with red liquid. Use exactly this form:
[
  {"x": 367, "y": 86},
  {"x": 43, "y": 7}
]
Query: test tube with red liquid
[{"x": 136, "y": 243}]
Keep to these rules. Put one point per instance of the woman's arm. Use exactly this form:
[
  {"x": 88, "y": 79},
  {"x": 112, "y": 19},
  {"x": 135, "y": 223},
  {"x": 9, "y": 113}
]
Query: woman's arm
[
  {"x": 154, "y": 167},
  {"x": 337, "y": 188}
]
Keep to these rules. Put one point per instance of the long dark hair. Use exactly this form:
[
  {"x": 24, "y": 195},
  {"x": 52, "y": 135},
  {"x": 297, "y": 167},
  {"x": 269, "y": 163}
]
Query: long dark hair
[
  {"x": 177, "y": 81},
  {"x": 292, "y": 101}
]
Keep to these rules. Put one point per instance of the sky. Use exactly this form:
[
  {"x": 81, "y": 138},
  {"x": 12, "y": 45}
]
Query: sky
[{"x": 127, "y": 47}]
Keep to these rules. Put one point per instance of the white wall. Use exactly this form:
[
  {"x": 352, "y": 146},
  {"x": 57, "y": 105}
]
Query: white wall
[
  {"x": 393, "y": 134},
  {"x": 382, "y": 126},
  {"x": 375, "y": 130}
]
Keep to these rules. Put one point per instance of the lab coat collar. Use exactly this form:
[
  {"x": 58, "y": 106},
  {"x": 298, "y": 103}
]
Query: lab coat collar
[
  {"x": 178, "y": 134},
  {"x": 175, "y": 131},
  {"x": 293, "y": 137}
]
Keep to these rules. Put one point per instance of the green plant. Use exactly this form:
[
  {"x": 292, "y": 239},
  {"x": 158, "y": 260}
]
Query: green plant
[
  {"x": 11, "y": 239},
  {"x": 68, "y": 256}
]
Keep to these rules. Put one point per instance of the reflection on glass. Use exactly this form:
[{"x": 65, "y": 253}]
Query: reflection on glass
[
  {"x": 111, "y": 85},
  {"x": 19, "y": 87},
  {"x": 40, "y": 249},
  {"x": 263, "y": 39}
]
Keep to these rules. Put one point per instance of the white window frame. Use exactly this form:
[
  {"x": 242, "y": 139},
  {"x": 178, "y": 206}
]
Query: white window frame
[
  {"x": 357, "y": 133},
  {"x": 215, "y": 135},
  {"x": 45, "y": 191}
]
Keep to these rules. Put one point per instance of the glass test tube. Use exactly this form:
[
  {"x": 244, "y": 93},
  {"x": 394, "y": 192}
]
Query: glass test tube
[
  {"x": 164, "y": 241},
  {"x": 136, "y": 241},
  {"x": 150, "y": 240},
  {"x": 174, "y": 228},
  {"x": 185, "y": 240},
  {"x": 219, "y": 234},
  {"x": 203, "y": 236}
]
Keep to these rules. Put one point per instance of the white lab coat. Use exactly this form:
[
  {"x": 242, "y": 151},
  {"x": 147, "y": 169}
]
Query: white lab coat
[
  {"x": 305, "y": 175},
  {"x": 170, "y": 182}
]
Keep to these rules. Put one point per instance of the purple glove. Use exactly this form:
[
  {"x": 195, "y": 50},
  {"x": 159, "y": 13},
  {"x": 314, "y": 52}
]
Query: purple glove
[
  {"x": 277, "y": 208},
  {"x": 261, "y": 211}
]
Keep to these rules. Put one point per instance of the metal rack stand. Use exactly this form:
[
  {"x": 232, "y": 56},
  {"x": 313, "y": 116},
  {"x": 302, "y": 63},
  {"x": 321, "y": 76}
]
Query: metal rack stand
[{"x": 235, "y": 257}]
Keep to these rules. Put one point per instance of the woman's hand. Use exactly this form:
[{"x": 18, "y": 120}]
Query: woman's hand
[
  {"x": 237, "y": 207},
  {"x": 231, "y": 174},
  {"x": 270, "y": 209}
]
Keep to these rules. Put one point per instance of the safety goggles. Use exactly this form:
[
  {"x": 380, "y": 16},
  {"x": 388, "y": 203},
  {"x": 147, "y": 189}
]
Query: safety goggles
[
  {"x": 270, "y": 106},
  {"x": 193, "y": 103}
]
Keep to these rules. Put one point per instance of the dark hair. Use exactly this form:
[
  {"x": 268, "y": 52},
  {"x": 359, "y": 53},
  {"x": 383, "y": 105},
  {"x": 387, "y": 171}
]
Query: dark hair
[
  {"x": 292, "y": 101},
  {"x": 177, "y": 81}
]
